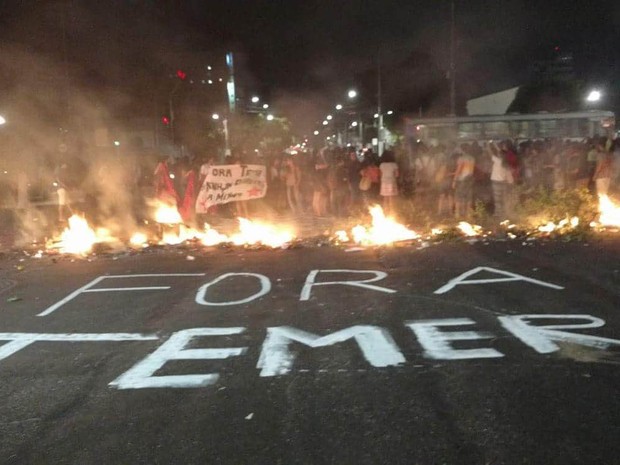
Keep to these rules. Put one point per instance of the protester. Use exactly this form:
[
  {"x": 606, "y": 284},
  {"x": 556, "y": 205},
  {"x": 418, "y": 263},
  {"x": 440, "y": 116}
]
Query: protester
[
  {"x": 389, "y": 177},
  {"x": 319, "y": 198},
  {"x": 463, "y": 183},
  {"x": 444, "y": 176},
  {"x": 603, "y": 170},
  {"x": 292, "y": 178}
]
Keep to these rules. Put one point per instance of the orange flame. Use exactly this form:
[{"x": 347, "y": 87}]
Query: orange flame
[
  {"x": 384, "y": 230},
  {"x": 79, "y": 238},
  {"x": 167, "y": 213},
  {"x": 609, "y": 212}
]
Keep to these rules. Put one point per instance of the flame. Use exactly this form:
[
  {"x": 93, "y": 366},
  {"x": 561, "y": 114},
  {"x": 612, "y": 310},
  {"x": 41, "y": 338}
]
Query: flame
[
  {"x": 610, "y": 212},
  {"x": 251, "y": 232},
  {"x": 384, "y": 230},
  {"x": 138, "y": 239},
  {"x": 167, "y": 214},
  {"x": 79, "y": 238},
  {"x": 566, "y": 223},
  {"x": 469, "y": 230}
]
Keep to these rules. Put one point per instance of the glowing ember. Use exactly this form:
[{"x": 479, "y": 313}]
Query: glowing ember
[
  {"x": 138, "y": 239},
  {"x": 610, "y": 212},
  {"x": 79, "y": 238},
  {"x": 564, "y": 224},
  {"x": 342, "y": 236},
  {"x": 469, "y": 230},
  {"x": 258, "y": 233},
  {"x": 384, "y": 230},
  {"x": 167, "y": 214}
]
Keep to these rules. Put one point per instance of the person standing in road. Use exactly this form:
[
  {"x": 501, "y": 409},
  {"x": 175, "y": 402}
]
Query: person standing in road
[
  {"x": 463, "y": 183},
  {"x": 603, "y": 171},
  {"x": 389, "y": 177}
]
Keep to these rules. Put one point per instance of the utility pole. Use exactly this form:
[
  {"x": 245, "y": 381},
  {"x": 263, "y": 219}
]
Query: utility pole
[
  {"x": 452, "y": 65},
  {"x": 379, "y": 110}
]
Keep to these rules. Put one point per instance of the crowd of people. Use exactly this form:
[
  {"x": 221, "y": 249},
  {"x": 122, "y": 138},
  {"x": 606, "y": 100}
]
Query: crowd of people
[{"x": 444, "y": 180}]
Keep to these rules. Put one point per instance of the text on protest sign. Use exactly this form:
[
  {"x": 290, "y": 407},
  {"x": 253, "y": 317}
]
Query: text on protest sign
[{"x": 229, "y": 183}]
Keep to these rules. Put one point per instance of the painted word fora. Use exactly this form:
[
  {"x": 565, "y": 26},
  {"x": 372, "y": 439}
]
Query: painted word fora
[
  {"x": 366, "y": 282},
  {"x": 437, "y": 338}
]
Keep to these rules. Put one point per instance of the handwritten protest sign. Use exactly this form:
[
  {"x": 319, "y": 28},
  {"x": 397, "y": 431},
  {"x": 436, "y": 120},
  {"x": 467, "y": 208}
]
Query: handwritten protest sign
[{"x": 229, "y": 183}]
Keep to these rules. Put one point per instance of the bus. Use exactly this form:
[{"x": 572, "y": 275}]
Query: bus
[{"x": 573, "y": 125}]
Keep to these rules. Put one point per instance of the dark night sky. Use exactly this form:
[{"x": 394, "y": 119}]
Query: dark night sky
[{"x": 313, "y": 50}]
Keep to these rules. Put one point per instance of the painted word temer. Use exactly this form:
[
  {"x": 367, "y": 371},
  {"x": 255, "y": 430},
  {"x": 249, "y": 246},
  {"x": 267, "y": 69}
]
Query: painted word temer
[
  {"x": 375, "y": 343},
  {"x": 436, "y": 338}
]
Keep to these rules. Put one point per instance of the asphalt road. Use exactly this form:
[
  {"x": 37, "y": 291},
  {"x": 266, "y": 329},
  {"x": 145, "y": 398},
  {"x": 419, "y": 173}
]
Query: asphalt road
[{"x": 418, "y": 368}]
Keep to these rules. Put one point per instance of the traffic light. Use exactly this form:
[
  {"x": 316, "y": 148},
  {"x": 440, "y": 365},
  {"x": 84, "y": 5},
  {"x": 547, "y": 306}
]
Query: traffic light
[
  {"x": 165, "y": 120},
  {"x": 181, "y": 74}
]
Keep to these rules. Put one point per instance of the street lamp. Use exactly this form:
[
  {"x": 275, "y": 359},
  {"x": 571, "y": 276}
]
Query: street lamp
[
  {"x": 269, "y": 117},
  {"x": 329, "y": 117},
  {"x": 265, "y": 106},
  {"x": 215, "y": 116},
  {"x": 594, "y": 96},
  {"x": 325, "y": 123},
  {"x": 354, "y": 124},
  {"x": 316, "y": 133},
  {"x": 255, "y": 99},
  {"x": 352, "y": 93},
  {"x": 390, "y": 112},
  {"x": 2, "y": 120},
  {"x": 338, "y": 107}
]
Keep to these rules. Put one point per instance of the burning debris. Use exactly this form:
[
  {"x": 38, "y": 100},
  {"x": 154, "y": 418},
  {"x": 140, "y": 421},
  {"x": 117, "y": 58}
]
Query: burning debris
[{"x": 80, "y": 239}]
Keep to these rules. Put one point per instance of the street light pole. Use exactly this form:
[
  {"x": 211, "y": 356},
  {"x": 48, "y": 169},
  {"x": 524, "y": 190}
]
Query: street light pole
[
  {"x": 379, "y": 110},
  {"x": 452, "y": 65}
]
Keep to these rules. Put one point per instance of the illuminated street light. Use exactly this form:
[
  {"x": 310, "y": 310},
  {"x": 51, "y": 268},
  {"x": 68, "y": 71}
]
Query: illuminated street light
[
  {"x": 269, "y": 117},
  {"x": 316, "y": 133},
  {"x": 338, "y": 107},
  {"x": 594, "y": 96},
  {"x": 265, "y": 106},
  {"x": 325, "y": 123},
  {"x": 215, "y": 116},
  {"x": 390, "y": 112},
  {"x": 354, "y": 124},
  {"x": 329, "y": 117},
  {"x": 117, "y": 143},
  {"x": 255, "y": 99},
  {"x": 376, "y": 115},
  {"x": 2, "y": 120},
  {"x": 352, "y": 93}
]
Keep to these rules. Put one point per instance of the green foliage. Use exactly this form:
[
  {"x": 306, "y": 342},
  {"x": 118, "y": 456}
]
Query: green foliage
[{"x": 542, "y": 206}]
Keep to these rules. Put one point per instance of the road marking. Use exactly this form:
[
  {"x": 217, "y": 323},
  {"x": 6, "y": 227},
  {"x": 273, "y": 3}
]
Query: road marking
[
  {"x": 511, "y": 277},
  {"x": 264, "y": 281},
  {"x": 141, "y": 375},
  {"x": 379, "y": 275},
  {"x": 18, "y": 341},
  {"x": 376, "y": 344},
  {"x": 87, "y": 287},
  {"x": 436, "y": 343}
]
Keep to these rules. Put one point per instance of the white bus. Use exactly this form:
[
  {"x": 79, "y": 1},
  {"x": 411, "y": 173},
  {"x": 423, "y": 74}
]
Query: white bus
[{"x": 574, "y": 125}]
